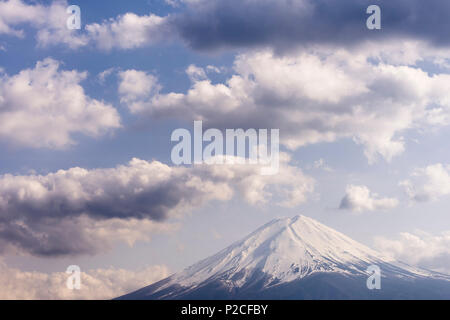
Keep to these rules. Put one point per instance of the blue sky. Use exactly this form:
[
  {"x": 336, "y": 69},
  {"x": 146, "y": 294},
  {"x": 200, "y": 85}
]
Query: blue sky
[{"x": 363, "y": 116}]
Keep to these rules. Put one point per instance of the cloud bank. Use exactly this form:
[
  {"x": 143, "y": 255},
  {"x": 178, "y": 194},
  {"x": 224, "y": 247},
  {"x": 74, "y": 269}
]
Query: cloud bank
[
  {"x": 95, "y": 284},
  {"x": 428, "y": 184},
  {"x": 45, "y": 107},
  {"x": 80, "y": 211},
  {"x": 216, "y": 24},
  {"x": 283, "y": 24},
  {"x": 313, "y": 95}
]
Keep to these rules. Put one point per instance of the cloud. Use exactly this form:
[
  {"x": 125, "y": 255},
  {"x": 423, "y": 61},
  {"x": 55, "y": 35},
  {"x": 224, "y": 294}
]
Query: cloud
[
  {"x": 45, "y": 107},
  {"x": 321, "y": 164},
  {"x": 315, "y": 95},
  {"x": 14, "y": 12},
  {"x": 359, "y": 199},
  {"x": 129, "y": 31},
  {"x": 419, "y": 248},
  {"x": 49, "y": 21},
  {"x": 428, "y": 184},
  {"x": 284, "y": 24},
  {"x": 95, "y": 284},
  {"x": 67, "y": 236},
  {"x": 136, "y": 85},
  {"x": 214, "y": 69},
  {"x": 172, "y": 3},
  {"x": 53, "y": 29},
  {"x": 79, "y": 211}
]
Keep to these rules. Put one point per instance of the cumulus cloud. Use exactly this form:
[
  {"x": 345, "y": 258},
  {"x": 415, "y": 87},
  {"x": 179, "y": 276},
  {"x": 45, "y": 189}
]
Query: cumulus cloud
[
  {"x": 428, "y": 184},
  {"x": 359, "y": 199},
  {"x": 419, "y": 248},
  {"x": 135, "y": 85},
  {"x": 315, "y": 96},
  {"x": 321, "y": 164},
  {"x": 129, "y": 31},
  {"x": 16, "y": 12},
  {"x": 196, "y": 74},
  {"x": 79, "y": 211},
  {"x": 49, "y": 21},
  {"x": 283, "y": 24},
  {"x": 95, "y": 284},
  {"x": 45, "y": 107}
]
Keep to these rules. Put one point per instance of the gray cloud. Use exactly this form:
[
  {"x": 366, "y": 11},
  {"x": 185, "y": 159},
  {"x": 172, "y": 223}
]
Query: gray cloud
[
  {"x": 359, "y": 199},
  {"x": 420, "y": 248},
  {"x": 283, "y": 23},
  {"x": 79, "y": 211},
  {"x": 64, "y": 236},
  {"x": 312, "y": 95},
  {"x": 218, "y": 24},
  {"x": 45, "y": 107},
  {"x": 428, "y": 184}
]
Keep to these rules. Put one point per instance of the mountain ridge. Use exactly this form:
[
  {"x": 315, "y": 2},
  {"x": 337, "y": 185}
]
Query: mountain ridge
[{"x": 281, "y": 253}]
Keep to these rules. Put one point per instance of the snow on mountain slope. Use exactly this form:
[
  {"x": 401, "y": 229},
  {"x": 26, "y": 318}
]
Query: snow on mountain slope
[{"x": 285, "y": 249}]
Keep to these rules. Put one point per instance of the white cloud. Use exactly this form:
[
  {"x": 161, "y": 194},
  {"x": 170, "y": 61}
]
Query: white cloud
[
  {"x": 195, "y": 73},
  {"x": 317, "y": 95},
  {"x": 314, "y": 96},
  {"x": 359, "y": 199},
  {"x": 406, "y": 52},
  {"x": 288, "y": 24},
  {"x": 45, "y": 106},
  {"x": 205, "y": 25},
  {"x": 64, "y": 236},
  {"x": 95, "y": 284},
  {"x": 102, "y": 76},
  {"x": 79, "y": 211},
  {"x": 214, "y": 69},
  {"x": 136, "y": 85},
  {"x": 127, "y": 31},
  {"x": 428, "y": 184},
  {"x": 418, "y": 248}
]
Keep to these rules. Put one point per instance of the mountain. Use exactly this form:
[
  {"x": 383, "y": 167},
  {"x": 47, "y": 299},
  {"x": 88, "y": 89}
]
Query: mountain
[{"x": 296, "y": 258}]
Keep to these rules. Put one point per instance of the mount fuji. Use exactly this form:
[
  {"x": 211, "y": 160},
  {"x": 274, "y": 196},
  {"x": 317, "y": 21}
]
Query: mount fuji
[{"x": 296, "y": 258}]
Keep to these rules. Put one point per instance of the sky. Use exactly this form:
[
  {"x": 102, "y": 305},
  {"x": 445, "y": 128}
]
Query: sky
[{"x": 86, "y": 118}]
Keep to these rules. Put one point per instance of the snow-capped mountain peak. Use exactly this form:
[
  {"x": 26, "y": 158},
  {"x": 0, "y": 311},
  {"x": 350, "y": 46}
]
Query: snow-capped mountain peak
[
  {"x": 285, "y": 249},
  {"x": 294, "y": 258}
]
